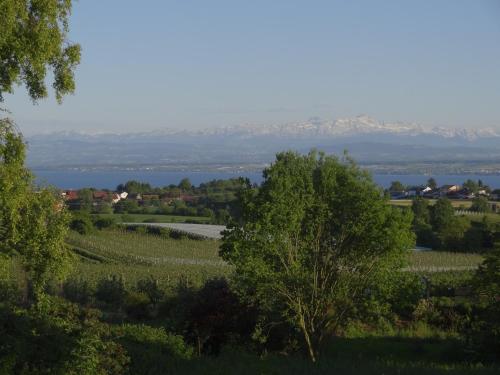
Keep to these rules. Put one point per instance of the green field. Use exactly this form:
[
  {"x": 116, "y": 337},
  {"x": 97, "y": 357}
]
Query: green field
[
  {"x": 495, "y": 218},
  {"x": 153, "y": 218},
  {"x": 138, "y": 255},
  {"x": 457, "y": 204},
  {"x": 435, "y": 261},
  {"x": 465, "y": 204}
]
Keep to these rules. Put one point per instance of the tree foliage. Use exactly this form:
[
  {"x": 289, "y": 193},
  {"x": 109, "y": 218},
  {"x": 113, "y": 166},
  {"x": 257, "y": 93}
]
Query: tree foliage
[
  {"x": 185, "y": 184},
  {"x": 33, "y": 39},
  {"x": 484, "y": 335},
  {"x": 15, "y": 182},
  {"x": 56, "y": 337},
  {"x": 480, "y": 204},
  {"x": 32, "y": 221},
  {"x": 471, "y": 185},
  {"x": 311, "y": 240},
  {"x": 432, "y": 183},
  {"x": 420, "y": 209},
  {"x": 396, "y": 186},
  {"x": 443, "y": 214}
]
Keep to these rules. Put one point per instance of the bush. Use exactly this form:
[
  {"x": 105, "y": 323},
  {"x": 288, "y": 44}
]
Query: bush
[
  {"x": 151, "y": 349},
  {"x": 484, "y": 333},
  {"x": 178, "y": 235},
  {"x": 409, "y": 288},
  {"x": 126, "y": 206},
  {"x": 151, "y": 289},
  {"x": 480, "y": 204},
  {"x": 77, "y": 290},
  {"x": 103, "y": 208},
  {"x": 9, "y": 289},
  {"x": 104, "y": 223},
  {"x": 111, "y": 290},
  {"x": 396, "y": 297},
  {"x": 217, "y": 317},
  {"x": 137, "y": 305},
  {"x": 447, "y": 284},
  {"x": 82, "y": 224},
  {"x": 57, "y": 337},
  {"x": 446, "y": 313}
]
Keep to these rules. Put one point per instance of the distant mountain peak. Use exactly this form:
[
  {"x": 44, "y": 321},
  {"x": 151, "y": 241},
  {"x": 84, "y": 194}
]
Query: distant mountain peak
[
  {"x": 345, "y": 127},
  {"x": 366, "y": 138},
  {"x": 351, "y": 126}
]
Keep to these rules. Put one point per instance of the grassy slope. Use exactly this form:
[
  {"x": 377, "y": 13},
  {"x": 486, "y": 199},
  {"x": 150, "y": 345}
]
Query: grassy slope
[
  {"x": 459, "y": 204},
  {"x": 455, "y": 203},
  {"x": 428, "y": 261},
  {"x": 137, "y": 255}
]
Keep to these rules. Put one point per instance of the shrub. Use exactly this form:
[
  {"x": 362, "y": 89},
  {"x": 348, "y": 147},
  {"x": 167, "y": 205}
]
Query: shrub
[
  {"x": 137, "y": 305},
  {"x": 105, "y": 222},
  {"x": 480, "y": 204},
  {"x": 111, "y": 290},
  {"x": 387, "y": 299},
  {"x": 408, "y": 289},
  {"x": 77, "y": 290},
  {"x": 484, "y": 333},
  {"x": 446, "y": 284},
  {"x": 178, "y": 235},
  {"x": 444, "y": 312},
  {"x": 151, "y": 289},
  {"x": 9, "y": 288},
  {"x": 169, "y": 344},
  {"x": 82, "y": 224},
  {"x": 217, "y": 317},
  {"x": 57, "y": 337},
  {"x": 151, "y": 350},
  {"x": 103, "y": 208}
]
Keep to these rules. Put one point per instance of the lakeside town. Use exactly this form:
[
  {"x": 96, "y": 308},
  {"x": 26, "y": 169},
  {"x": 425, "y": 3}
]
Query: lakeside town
[{"x": 186, "y": 199}]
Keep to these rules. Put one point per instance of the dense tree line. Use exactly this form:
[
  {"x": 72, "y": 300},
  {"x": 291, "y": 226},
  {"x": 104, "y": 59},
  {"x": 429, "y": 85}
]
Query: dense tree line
[
  {"x": 214, "y": 200},
  {"x": 438, "y": 227}
]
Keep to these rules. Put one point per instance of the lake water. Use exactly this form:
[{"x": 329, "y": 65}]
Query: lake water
[{"x": 110, "y": 179}]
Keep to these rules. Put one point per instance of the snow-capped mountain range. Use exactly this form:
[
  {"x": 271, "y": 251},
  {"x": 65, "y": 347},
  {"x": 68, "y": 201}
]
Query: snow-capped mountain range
[
  {"x": 351, "y": 127},
  {"x": 314, "y": 127},
  {"x": 367, "y": 140}
]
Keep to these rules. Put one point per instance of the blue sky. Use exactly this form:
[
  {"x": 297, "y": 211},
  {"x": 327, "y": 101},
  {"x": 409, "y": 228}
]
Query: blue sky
[{"x": 195, "y": 64}]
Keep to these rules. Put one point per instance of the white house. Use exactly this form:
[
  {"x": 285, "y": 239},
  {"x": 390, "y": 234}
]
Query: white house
[
  {"x": 419, "y": 190},
  {"x": 116, "y": 197}
]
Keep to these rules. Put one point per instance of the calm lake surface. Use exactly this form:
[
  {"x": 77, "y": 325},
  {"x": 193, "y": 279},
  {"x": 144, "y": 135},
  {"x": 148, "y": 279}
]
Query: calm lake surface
[{"x": 110, "y": 179}]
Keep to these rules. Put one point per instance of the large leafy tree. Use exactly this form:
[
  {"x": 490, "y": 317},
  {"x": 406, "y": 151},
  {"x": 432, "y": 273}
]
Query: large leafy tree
[
  {"x": 15, "y": 181},
  {"x": 449, "y": 229},
  {"x": 312, "y": 239},
  {"x": 32, "y": 221},
  {"x": 33, "y": 40},
  {"x": 484, "y": 334},
  {"x": 480, "y": 204},
  {"x": 443, "y": 214}
]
